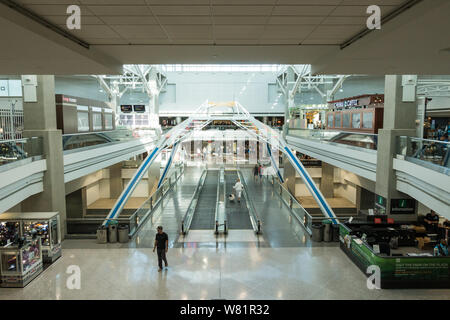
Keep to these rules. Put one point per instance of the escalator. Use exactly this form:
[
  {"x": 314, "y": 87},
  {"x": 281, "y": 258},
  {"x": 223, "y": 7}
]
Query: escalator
[
  {"x": 237, "y": 213},
  {"x": 204, "y": 215}
]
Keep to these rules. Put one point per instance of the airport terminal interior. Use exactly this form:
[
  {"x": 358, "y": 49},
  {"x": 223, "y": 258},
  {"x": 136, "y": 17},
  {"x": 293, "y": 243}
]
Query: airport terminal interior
[{"x": 287, "y": 150}]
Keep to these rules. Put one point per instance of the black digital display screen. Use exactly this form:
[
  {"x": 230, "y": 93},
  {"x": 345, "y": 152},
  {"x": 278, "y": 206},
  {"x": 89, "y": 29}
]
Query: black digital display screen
[
  {"x": 139, "y": 108},
  {"x": 126, "y": 108}
]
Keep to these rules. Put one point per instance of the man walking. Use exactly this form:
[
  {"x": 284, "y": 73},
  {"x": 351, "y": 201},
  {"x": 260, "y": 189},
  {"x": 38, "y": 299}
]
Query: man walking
[{"x": 162, "y": 245}]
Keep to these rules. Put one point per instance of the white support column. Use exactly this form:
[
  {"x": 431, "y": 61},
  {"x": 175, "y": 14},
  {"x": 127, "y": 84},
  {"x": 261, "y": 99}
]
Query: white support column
[
  {"x": 40, "y": 121},
  {"x": 398, "y": 120}
]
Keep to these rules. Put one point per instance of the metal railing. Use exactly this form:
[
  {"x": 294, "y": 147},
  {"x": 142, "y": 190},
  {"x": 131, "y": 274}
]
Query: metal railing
[
  {"x": 350, "y": 139},
  {"x": 19, "y": 149},
  {"x": 254, "y": 219},
  {"x": 138, "y": 218},
  {"x": 300, "y": 213},
  {"x": 433, "y": 154},
  {"x": 187, "y": 220}
]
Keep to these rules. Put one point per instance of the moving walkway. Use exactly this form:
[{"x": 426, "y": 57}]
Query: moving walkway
[
  {"x": 200, "y": 213},
  {"x": 238, "y": 213},
  {"x": 204, "y": 212},
  {"x": 210, "y": 208}
]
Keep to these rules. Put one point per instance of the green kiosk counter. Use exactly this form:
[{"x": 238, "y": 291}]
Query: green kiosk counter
[{"x": 406, "y": 266}]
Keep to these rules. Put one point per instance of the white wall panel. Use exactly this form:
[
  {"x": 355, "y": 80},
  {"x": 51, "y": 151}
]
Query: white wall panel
[
  {"x": 92, "y": 193},
  {"x": 251, "y": 89},
  {"x": 104, "y": 188}
]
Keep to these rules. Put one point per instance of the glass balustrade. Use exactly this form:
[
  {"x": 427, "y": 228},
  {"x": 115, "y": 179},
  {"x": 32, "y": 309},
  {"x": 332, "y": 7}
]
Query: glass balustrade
[
  {"x": 185, "y": 225},
  {"x": 92, "y": 139},
  {"x": 254, "y": 218},
  {"x": 433, "y": 154},
  {"x": 141, "y": 215},
  {"x": 14, "y": 150},
  {"x": 351, "y": 139},
  {"x": 291, "y": 202}
]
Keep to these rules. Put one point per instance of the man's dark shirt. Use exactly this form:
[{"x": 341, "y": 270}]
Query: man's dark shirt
[
  {"x": 432, "y": 227},
  {"x": 430, "y": 217},
  {"x": 161, "y": 240}
]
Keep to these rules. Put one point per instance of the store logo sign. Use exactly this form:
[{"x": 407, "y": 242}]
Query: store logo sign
[
  {"x": 374, "y": 280},
  {"x": 347, "y": 103},
  {"x": 374, "y": 20},
  {"x": 72, "y": 100},
  {"x": 74, "y": 280},
  {"x": 74, "y": 20}
]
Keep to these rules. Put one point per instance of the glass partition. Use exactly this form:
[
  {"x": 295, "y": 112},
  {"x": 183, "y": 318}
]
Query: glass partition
[
  {"x": 356, "y": 120},
  {"x": 337, "y": 120},
  {"x": 330, "y": 120},
  {"x": 346, "y": 119},
  {"x": 10, "y": 262},
  {"x": 14, "y": 150},
  {"x": 31, "y": 254},
  {"x": 351, "y": 139},
  {"x": 254, "y": 219},
  {"x": 433, "y": 154},
  {"x": 302, "y": 216},
  {"x": 89, "y": 139},
  {"x": 140, "y": 215},
  {"x": 367, "y": 120},
  {"x": 186, "y": 223}
]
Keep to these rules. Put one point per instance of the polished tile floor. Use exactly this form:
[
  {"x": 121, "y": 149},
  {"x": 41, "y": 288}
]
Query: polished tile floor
[
  {"x": 282, "y": 263},
  {"x": 210, "y": 273},
  {"x": 232, "y": 236}
]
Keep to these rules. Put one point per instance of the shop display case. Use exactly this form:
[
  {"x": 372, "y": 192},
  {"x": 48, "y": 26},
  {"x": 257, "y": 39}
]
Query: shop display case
[
  {"x": 9, "y": 232},
  {"x": 20, "y": 262},
  {"x": 46, "y": 225}
]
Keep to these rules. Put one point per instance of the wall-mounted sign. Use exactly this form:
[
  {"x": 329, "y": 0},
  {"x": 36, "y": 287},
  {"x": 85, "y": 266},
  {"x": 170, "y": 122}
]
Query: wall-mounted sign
[
  {"x": 347, "y": 103},
  {"x": 380, "y": 204},
  {"x": 403, "y": 206},
  {"x": 82, "y": 108},
  {"x": 139, "y": 108},
  {"x": 125, "y": 108},
  {"x": 70, "y": 100}
]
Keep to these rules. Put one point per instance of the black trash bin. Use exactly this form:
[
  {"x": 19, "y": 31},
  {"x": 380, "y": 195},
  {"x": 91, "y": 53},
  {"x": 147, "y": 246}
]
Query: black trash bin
[
  {"x": 335, "y": 232},
  {"x": 327, "y": 231},
  {"x": 317, "y": 232}
]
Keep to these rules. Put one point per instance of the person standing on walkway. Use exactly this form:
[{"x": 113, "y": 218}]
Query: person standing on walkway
[
  {"x": 238, "y": 188},
  {"x": 255, "y": 172},
  {"x": 162, "y": 245}
]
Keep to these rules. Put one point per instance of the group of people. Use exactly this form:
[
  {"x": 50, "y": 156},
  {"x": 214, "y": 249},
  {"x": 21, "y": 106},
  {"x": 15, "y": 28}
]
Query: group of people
[
  {"x": 257, "y": 171},
  {"x": 431, "y": 221}
]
